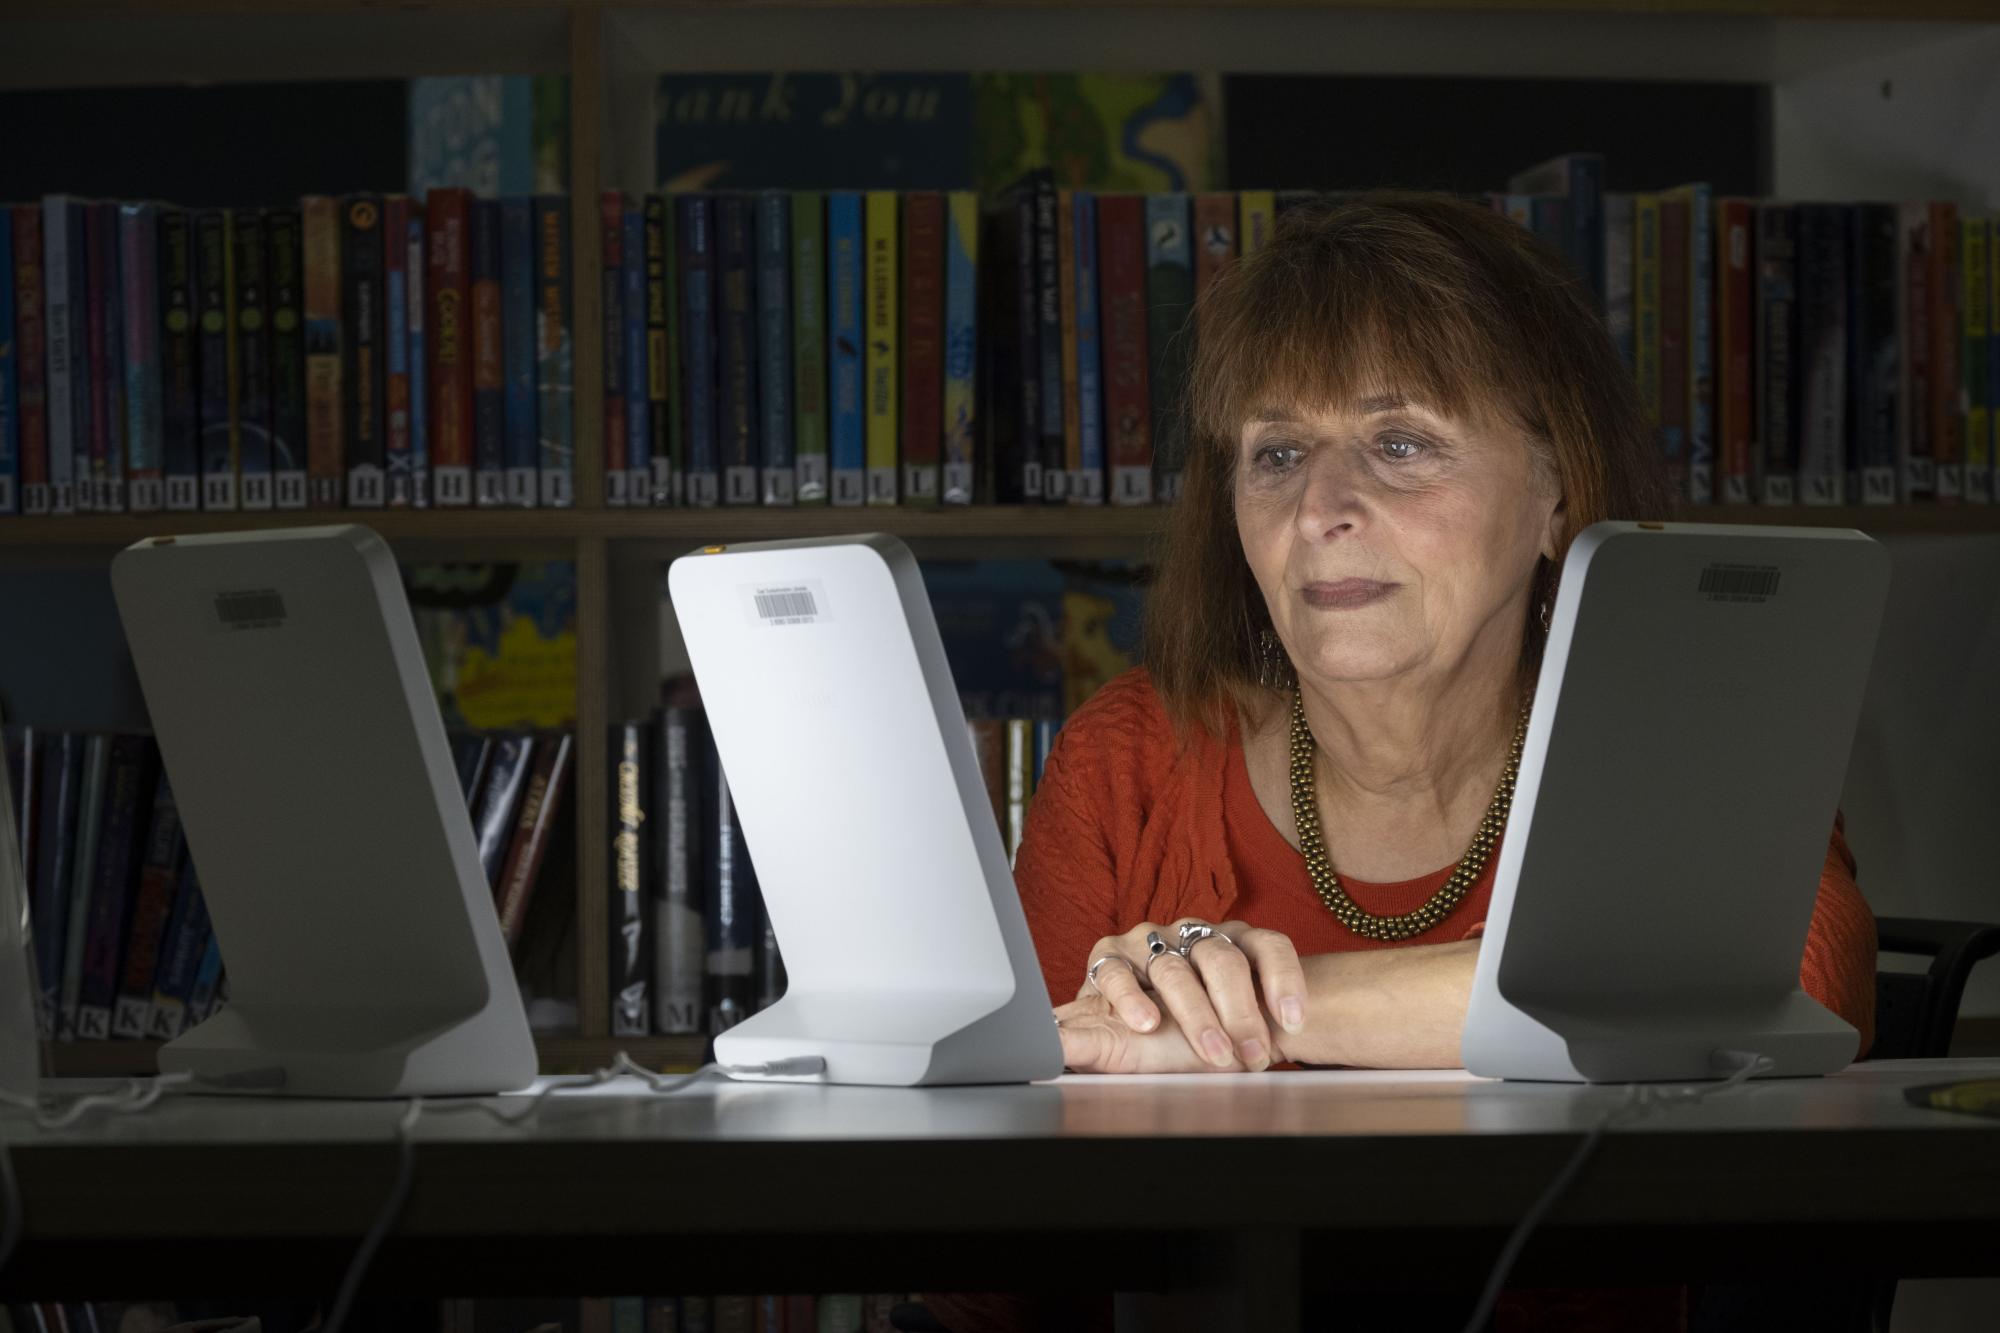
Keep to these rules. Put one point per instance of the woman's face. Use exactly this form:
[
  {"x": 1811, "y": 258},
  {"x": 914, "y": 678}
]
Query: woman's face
[{"x": 1388, "y": 538}]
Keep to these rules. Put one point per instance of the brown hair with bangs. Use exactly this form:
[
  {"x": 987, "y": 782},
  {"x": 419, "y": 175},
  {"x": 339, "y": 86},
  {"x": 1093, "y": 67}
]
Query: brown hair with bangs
[{"x": 1424, "y": 295}]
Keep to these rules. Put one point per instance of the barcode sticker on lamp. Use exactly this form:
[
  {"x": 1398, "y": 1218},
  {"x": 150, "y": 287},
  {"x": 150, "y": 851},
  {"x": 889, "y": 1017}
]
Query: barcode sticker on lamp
[
  {"x": 1739, "y": 583},
  {"x": 256, "y": 608},
  {"x": 789, "y": 604}
]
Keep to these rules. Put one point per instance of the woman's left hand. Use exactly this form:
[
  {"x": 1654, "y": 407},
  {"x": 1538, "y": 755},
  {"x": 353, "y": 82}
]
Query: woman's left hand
[{"x": 1220, "y": 997}]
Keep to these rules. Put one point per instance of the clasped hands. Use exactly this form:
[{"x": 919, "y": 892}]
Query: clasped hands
[{"x": 1227, "y": 1003}]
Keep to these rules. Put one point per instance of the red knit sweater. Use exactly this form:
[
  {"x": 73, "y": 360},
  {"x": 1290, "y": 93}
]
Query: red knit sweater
[{"x": 1128, "y": 826}]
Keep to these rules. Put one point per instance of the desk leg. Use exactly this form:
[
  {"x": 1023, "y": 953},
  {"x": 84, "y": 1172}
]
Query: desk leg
[{"x": 1244, "y": 1281}]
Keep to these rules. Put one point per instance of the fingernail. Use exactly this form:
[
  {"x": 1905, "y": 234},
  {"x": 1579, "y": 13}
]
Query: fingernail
[
  {"x": 1144, "y": 1021},
  {"x": 1217, "y": 1047},
  {"x": 1252, "y": 1052},
  {"x": 1291, "y": 1013}
]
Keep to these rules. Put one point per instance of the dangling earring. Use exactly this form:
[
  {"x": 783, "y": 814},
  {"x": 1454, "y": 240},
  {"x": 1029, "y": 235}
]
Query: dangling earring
[
  {"x": 1274, "y": 668},
  {"x": 1543, "y": 615}
]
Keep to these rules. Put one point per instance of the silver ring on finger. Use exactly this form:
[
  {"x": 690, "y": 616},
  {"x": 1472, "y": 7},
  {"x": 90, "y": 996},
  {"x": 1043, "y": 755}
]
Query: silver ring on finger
[
  {"x": 1156, "y": 948},
  {"x": 1194, "y": 932},
  {"x": 1090, "y": 974}
]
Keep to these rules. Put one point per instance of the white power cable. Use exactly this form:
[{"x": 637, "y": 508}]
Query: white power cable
[
  {"x": 137, "y": 1095},
  {"x": 1641, "y": 1100}
]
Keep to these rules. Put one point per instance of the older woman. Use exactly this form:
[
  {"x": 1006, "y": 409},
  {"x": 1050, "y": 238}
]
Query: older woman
[{"x": 1402, "y": 410}]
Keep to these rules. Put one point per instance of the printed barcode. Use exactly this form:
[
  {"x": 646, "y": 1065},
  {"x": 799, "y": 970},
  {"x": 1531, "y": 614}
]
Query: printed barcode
[
  {"x": 1722, "y": 581},
  {"x": 786, "y": 604},
  {"x": 250, "y": 610}
]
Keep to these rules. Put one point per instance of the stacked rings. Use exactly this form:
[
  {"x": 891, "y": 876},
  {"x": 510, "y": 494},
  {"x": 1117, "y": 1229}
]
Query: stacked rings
[{"x": 1194, "y": 932}]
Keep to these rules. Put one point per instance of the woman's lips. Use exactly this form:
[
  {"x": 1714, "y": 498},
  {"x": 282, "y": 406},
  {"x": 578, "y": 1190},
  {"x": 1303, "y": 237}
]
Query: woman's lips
[{"x": 1345, "y": 594}]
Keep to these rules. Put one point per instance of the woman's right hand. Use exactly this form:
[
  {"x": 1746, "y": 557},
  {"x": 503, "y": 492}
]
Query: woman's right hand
[{"x": 1095, "y": 1040}]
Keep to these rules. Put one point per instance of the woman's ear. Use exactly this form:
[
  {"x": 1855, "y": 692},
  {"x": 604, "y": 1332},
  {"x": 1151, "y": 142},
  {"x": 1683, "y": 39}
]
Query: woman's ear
[{"x": 1552, "y": 534}]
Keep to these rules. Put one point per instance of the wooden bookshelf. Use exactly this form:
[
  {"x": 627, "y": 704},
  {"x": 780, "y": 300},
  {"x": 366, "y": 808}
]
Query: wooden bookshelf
[{"x": 611, "y": 52}]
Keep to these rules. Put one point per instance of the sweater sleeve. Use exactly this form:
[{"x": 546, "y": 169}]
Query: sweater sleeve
[{"x": 1838, "y": 969}]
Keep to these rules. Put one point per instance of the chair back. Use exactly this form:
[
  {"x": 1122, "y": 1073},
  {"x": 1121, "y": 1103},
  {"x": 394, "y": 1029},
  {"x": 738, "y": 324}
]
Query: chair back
[{"x": 1916, "y": 1011}]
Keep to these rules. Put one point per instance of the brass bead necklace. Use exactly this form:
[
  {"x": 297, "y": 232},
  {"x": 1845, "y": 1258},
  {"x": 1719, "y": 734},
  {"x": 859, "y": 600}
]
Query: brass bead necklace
[{"x": 1305, "y": 812}]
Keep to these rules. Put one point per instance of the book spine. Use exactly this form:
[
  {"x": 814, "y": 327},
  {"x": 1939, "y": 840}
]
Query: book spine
[
  {"x": 1674, "y": 332},
  {"x": 661, "y": 402},
  {"x": 1027, "y": 358},
  {"x": 104, "y": 341},
  {"x": 416, "y": 304},
  {"x": 1066, "y": 296},
  {"x": 1049, "y": 336},
  {"x": 61, "y": 763},
  {"x": 880, "y": 359},
  {"x": 1874, "y": 378},
  {"x": 638, "y": 385},
  {"x": 489, "y": 378},
  {"x": 215, "y": 349},
  {"x": 555, "y": 381},
  {"x": 539, "y": 807},
  {"x": 31, "y": 358},
  {"x": 1993, "y": 343},
  {"x": 1974, "y": 321},
  {"x": 1735, "y": 350},
  {"x": 1947, "y": 426},
  {"x": 499, "y": 800},
  {"x": 62, "y": 313},
  {"x": 774, "y": 347},
  {"x": 326, "y": 431},
  {"x": 730, "y": 912},
  {"x": 1020, "y": 778},
  {"x": 400, "y": 463},
  {"x": 448, "y": 345},
  {"x": 152, "y": 901},
  {"x": 181, "y": 946},
  {"x": 922, "y": 369},
  {"x": 283, "y": 248},
  {"x": 1822, "y": 354},
  {"x": 362, "y": 362},
  {"x": 611, "y": 227},
  {"x": 631, "y": 953},
  {"x": 1121, "y": 249},
  {"x": 83, "y": 876},
  {"x": 1646, "y": 307},
  {"x": 10, "y": 375},
  {"x": 999, "y": 472},
  {"x": 1700, "y": 337},
  {"x": 1586, "y": 198},
  {"x": 846, "y": 371},
  {"x": 736, "y": 345},
  {"x": 139, "y": 278},
  {"x": 1776, "y": 458},
  {"x": 251, "y": 328},
  {"x": 675, "y": 423},
  {"x": 1257, "y": 219},
  {"x": 517, "y": 328},
  {"x": 1169, "y": 294},
  {"x": 1618, "y": 273},
  {"x": 1087, "y": 487},
  {"x": 205, "y": 998},
  {"x": 1214, "y": 241},
  {"x": 769, "y": 984},
  {"x": 679, "y": 942},
  {"x": 809, "y": 420},
  {"x": 1916, "y": 468},
  {"x": 961, "y": 347},
  {"x": 695, "y": 234},
  {"x": 133, "y": 780}
]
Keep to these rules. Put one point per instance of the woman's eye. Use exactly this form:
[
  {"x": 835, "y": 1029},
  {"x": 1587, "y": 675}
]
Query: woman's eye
[
  {"x": 1401, "y": 447},
  {"x": 1277, "y": 457}
]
